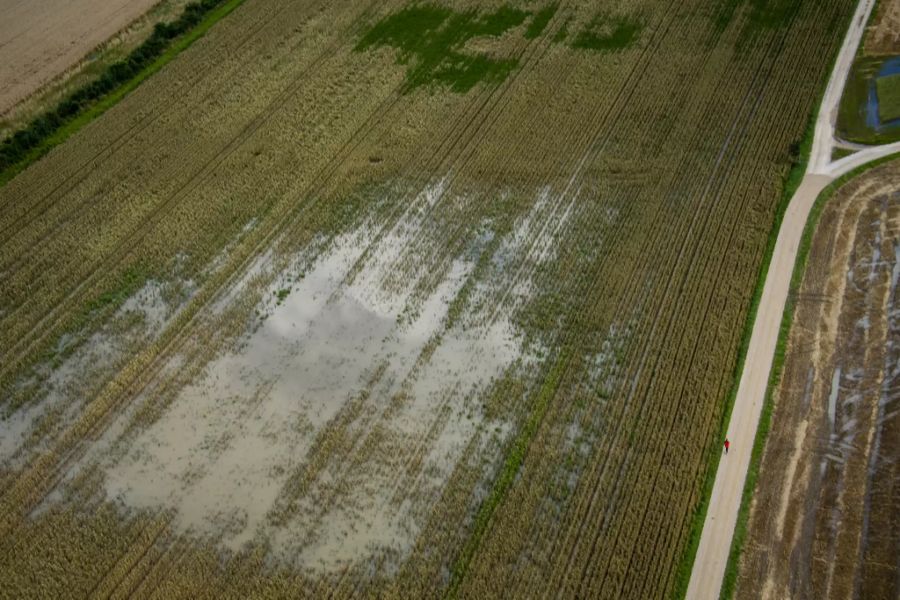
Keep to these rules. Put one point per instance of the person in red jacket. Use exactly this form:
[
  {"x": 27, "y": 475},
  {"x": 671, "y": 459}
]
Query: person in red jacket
[{"x": 727, "y": 445}]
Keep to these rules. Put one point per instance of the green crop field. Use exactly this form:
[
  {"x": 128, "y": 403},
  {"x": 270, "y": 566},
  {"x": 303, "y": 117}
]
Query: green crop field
[{"x": 391, "y": 299}]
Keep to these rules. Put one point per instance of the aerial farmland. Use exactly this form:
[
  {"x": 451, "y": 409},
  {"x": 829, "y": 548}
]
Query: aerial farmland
[
  {"x": 387, "y": 299},
  {"x": 824, "y": 502},
  {"x": 41, "y": 40}
]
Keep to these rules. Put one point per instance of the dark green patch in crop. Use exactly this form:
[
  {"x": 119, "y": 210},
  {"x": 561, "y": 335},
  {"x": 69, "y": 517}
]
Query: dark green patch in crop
[
  {"x": 608, "y": 34},
  {"x": 431, "y": 39},
  {"x": 772, "y": 13},
  {"x": 562, "y": 33},
  {"x": 762, "y": 14},
  {"x": 539, "y": 21},
  {"x": 128, "y": 283}
]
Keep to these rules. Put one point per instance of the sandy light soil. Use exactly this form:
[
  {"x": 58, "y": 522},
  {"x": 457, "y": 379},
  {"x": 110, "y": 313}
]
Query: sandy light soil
[
  {"x": 40, "y": 40},
  {"x": 883, "y": 37}
]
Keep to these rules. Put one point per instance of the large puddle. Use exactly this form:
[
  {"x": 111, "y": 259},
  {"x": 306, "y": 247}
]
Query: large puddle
[
  {"x": 329, "y": 430},
  {"x": 66, "y": 382}
]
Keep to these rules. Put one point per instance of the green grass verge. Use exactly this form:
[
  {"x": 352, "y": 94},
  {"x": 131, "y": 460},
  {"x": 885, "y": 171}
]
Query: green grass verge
[
  {"x": 888, "y": 90},
  {"x": 108, "y": 100},
  {"x": 839, "y": 153},
  {"x": 508, "y": 472},
  {"x": 740, "y": 532}
]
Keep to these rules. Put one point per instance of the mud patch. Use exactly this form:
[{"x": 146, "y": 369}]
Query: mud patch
[
  {"x": 61, "y": 386},
  {"x": 825, "y": 464}
]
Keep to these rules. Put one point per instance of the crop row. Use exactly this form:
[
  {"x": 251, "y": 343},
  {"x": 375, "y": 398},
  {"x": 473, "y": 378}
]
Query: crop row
[{"x": 677, "y": 358}]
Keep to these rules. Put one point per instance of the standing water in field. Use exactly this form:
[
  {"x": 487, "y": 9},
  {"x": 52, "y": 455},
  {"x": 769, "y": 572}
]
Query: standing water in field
[{"x": 331, "y": 427}]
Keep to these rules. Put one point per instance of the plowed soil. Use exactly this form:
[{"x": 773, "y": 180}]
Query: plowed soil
[{"x": 825, "y": 520}]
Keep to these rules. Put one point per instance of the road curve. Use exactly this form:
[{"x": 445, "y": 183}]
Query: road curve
[{"x": 718, "y": 528}]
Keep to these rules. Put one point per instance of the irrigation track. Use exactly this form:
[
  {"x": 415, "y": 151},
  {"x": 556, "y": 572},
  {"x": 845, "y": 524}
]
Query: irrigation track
[
  {"x": 751, "y": 103},
  {"x": 710, "y": 561},
  {"x": 555, "y": 586},
  {"x": 580, "y": 532},
  {"x": 737, "y": 130},
  {"x": 751, "y": 107}
]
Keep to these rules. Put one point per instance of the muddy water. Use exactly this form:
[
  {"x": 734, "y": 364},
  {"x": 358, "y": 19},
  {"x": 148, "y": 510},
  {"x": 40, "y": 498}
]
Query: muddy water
[
  {"x": 350, "y": 357},
  {"x": 65, "y": 388}
]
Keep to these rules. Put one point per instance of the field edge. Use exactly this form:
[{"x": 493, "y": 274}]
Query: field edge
[
  {"x": 112, "y": 98},
  {"x": 792, "y": 181},
  {"x": 740, "y": 530}
]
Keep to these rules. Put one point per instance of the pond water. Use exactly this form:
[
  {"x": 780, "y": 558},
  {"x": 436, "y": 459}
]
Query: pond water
[{"x": 890, "y": 66}]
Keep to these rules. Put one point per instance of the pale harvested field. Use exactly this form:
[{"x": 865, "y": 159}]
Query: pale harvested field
[
  {"x": 41, "y": 39},
  {"x": 825, "y": 514},
  {"x": 279, "y": 325},
  {"x": 883, "y": 35}
]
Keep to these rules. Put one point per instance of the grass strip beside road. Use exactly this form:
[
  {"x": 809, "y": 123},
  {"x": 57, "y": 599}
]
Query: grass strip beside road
[
  {"x": 740, "y": 531},
  {"x": 61, "y": 128}
]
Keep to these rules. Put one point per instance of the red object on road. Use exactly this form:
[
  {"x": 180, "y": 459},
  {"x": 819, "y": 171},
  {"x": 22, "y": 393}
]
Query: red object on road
[{"x": 727, "y": 445}]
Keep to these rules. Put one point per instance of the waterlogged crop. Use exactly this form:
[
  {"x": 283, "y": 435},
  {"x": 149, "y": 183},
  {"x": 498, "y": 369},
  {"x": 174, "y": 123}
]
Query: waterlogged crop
[{"x": 274, "y": 325}]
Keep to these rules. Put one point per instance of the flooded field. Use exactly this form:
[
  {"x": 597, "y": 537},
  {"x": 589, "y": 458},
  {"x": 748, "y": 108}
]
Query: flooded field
[
  {"x": 371, "y": 299},
  {"x": 350, "y": 389}
]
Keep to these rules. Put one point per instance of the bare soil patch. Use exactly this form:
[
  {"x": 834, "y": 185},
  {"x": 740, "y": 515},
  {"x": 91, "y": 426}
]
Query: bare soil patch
[
  {"x": 883, "y": 35},
  {"x": 833, "y": 451},
  {"x": 41, "y": 40}
]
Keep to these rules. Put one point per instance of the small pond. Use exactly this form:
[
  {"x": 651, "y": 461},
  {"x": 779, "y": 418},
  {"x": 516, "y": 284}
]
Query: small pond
[{"x": 891, "y": 66}]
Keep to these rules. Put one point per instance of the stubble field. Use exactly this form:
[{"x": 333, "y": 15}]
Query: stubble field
[
  {"x": 41, "y": 40},
  {"x": 824, "y": 520},
  {"x": 324, "y": 307}
]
